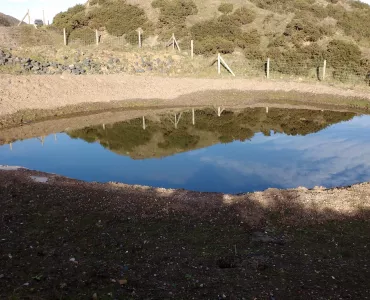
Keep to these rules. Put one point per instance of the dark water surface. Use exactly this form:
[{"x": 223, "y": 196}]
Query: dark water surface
[{"x": 240, "y": 151}]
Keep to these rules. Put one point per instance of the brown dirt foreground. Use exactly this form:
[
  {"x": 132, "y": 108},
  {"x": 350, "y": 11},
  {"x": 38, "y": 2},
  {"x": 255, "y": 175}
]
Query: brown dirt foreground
[
  {"x": 67, "y": 239},
  {"x": 51, "y": 92}
]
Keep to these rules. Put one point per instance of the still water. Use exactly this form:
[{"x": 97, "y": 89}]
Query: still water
[{"x": 238, "y": 151}]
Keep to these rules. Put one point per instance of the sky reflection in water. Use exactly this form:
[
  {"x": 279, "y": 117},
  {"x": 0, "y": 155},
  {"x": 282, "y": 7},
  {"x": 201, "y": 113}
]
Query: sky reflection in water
[{"x": 338, "y": 155}]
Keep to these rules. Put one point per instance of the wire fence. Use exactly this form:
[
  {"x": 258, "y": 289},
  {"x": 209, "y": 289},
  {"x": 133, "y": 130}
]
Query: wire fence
[{"x": 268, "y": 67}]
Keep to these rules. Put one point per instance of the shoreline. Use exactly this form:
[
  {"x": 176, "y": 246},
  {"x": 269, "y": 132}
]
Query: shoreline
[
  {"x": 20, "y": 93},
  {"x": 229, "y": 99},
  {"x": 346, "y": 201}
]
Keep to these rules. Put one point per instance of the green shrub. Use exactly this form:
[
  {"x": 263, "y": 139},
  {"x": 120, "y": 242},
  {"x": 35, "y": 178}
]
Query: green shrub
[
  {"x": 304, "y": 30},
  {"x": 73, "y": 18},
  {"x": 244, "y": 16},
  {"x": 118, "y": 18},
  {"x": 173, "y": 15},
  {"x": 226, "y": 8},
  {"x": 215, "y": 29},
  {"x": 248, "y": 39},
  {"x": 284, "y": 6},
  {"x": 298, "y": 61},
  {"x": 213, "y": 45},
  {"x": 254, "y": 52},
  {"x": 341, "y": 54},
  {"x": 224, "y": 33},
  {"x": 352, "y": 21}
]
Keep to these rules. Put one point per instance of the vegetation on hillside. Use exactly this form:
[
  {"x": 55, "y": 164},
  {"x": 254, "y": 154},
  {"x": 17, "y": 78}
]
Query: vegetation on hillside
[
  {"x": 314, "y": 31},
  {"x": 172, "y": 17},
  {"x": 116, "y": 17}
]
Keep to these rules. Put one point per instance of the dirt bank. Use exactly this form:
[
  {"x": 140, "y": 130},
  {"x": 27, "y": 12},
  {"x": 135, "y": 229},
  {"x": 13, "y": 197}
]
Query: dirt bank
[
  {"x": 51, "y": 92},
  {"x": 63, "y": 238}
]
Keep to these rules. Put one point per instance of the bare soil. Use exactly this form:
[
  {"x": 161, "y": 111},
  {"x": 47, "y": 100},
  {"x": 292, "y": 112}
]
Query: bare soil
[
  {"x": 67, "y": 239},
  {"x": 52, "y": 92}
]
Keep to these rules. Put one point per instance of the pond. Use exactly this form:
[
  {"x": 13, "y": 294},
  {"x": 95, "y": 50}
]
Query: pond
[{"x": 211, "y": 150}]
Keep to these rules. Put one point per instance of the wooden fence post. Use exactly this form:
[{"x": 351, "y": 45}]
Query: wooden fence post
[
  {"x": 65, "y": 37},
  {"x": 29, "y": 18},
  {"x": 144, "y": 124},
  {"x": 97, "y": 37},
  {"x": 192, "y": 48},
  {"x": 324, "y": 70},
  {"x": 193, "y": 116},
  {"x": 268, "y": 68}
]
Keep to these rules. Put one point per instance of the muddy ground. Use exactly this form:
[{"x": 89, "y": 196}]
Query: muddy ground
[
  {"x": 66, "y": 239},
  {"x": 52, "y": 92},
  {"x": 86, "y": 113}
]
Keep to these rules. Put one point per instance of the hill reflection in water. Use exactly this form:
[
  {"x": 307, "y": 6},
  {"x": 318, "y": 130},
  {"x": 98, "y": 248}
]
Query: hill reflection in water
[{"x": 238, "y": 151}]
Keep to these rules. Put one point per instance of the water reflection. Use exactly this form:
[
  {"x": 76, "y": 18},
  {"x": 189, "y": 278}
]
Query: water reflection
[
  {"x": 210, "y": 150},
  {"x": 189, "y": 130}
]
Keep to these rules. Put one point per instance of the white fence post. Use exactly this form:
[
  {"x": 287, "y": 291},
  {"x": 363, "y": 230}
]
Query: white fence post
[
  {"x": 192, "y": 48},
  {"x": 139, "y": 33},
  {"x": 97, "y": 37},
  {"x": 225, "y": 65},
  {"x": 65, "y": 37},
  {"x": 324, "y": 70},
  {"x": 268, "y": 68},
  {"x": 219, "y": 64}
]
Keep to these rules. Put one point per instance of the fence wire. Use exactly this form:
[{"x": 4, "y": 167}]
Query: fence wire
[{"x": 27, "y": 36}]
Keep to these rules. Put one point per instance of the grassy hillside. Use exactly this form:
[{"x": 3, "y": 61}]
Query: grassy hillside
[
  {"x": 7, "y": 21},
  {"x": 291, "y": 32}
]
